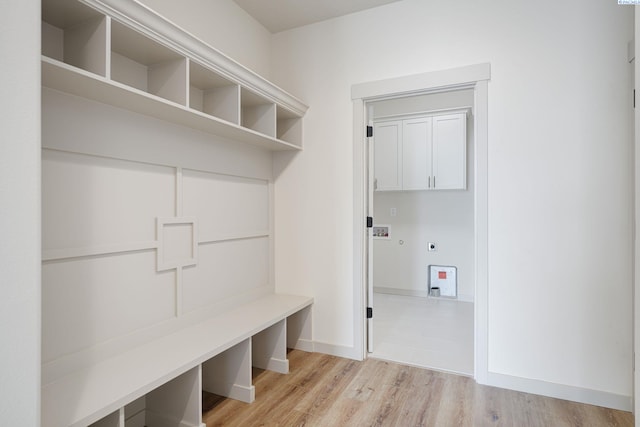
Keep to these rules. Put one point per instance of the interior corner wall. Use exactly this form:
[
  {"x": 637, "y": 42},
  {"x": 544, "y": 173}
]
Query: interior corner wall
[
  {"x": 225, "y": 26},
  {"x": 560, "y": 140},
  {"x": 20, "y": 213}
]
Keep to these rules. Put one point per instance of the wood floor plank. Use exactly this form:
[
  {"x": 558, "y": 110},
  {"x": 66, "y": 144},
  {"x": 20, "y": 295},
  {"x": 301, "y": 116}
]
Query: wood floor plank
[{"x": 324, "y": 391}]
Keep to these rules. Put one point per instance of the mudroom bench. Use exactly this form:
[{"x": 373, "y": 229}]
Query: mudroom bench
[{"x": 160, "y": 383}]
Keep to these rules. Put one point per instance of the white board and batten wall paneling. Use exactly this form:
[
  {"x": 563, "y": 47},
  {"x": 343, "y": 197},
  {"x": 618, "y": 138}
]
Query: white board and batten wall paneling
[
  {"x": 100, "y": 243},
  {"x": 122, "y": 186},
  {"x": 158, "y": 215}
]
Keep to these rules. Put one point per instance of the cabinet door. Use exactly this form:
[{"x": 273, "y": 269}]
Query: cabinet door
[
  {"x": 416, "y": 154},
  {"x": 449, "y": 152},
  {"x": 387, "y": 137}
]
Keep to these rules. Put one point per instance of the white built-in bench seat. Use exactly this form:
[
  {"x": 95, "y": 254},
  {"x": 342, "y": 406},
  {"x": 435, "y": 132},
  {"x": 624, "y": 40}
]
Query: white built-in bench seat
[{"x": 160, "y": 382}]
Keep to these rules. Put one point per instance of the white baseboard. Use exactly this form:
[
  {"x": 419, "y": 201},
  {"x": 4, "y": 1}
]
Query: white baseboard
[
  {"x": 243, "y": 393},
  {"x": 276, "y": 365},
  {"x": 304, "y": 345},
  {"x": 405, "y": 292},
  {"x": 337, "y": 350},
  {"x": 239, "y": 392},
  {"x": 560, "y": 391},
  {"x": 466, "y": 298},
  {"x": 417, "y": 293}
]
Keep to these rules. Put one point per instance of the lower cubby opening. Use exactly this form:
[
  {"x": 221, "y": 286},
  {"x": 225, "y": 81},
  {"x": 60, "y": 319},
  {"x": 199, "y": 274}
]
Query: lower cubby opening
[
  {"x": 177, "y": 403},
  {"x": 111, "y": 420},
  {"x": 220, "y": 410},
  {"x": 207, "y": 392},
  {"x": 217, "y": 408},
  {"x": 229, "y": 373}
]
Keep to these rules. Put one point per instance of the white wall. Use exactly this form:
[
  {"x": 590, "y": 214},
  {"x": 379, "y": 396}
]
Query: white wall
[
  {"x": 20, "y": 213},
  {"x": 443, "y": 217},
  {"x": 560, "y": 264},
  {"x": 223, "y": 25}
]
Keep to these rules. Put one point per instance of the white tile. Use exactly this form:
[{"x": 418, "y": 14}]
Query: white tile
[{"x": 425, "y": 332}]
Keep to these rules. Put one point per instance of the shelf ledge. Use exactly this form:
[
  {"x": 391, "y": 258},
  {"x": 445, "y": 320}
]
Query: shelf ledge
[{"x": 69, "y": 79}]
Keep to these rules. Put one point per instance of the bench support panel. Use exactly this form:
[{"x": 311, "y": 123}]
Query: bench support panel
[
  {"x": 270, "y": 348},
  {"x": 229, "y": 373},
  {"x": 299, "y": 331}
]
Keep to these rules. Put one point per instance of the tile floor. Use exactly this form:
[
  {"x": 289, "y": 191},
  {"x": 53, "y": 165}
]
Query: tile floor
[{"x": 425, "y": 332}]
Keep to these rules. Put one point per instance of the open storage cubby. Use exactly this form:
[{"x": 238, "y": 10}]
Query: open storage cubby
[
  {"x": 75, "y": 34},
  {"x": 140, "y": 62},
  {"x": 175, "y": 403},
  {"x": 123, "y": 54},
  {"x": 111, "y": 420},
  {"x": 258, "y": 113},
  {"x": 288, "y": 126},
  {"x": 228, "y": 374},
  {"x": 213, "y": 94},
  {"x": 94, "y": 49}
]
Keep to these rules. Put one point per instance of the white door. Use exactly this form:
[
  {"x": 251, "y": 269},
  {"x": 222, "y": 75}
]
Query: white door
[
  {"x": 387, "y": 137},
  {"x": 449, "y": 152}
]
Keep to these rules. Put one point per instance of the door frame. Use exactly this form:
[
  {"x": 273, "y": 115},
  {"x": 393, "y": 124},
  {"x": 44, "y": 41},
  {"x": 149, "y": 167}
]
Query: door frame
[{"x": 472, "y": 76}]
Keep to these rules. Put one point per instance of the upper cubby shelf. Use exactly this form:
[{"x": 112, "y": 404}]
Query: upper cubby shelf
[{"x": 121, "y": 53}]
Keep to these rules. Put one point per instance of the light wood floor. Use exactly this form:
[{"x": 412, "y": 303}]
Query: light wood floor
[{"x": 329, "y": 391}]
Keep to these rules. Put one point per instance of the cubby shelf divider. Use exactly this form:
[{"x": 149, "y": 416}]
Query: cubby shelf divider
[{"x": 122, "y": 53}]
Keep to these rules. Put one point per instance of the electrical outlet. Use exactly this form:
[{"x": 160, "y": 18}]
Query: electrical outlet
[
  {"x": 393, "y": 212},
  {"x": 432, "y": 247}
]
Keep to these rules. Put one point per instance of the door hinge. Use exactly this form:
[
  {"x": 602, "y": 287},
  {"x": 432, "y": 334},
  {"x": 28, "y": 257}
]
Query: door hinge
[
  {"x": 369, "y": 131},
  {"x": 634, "y": 98},
  {"x": 369, "y": 312},
  {"x": 369, "y": 221}
]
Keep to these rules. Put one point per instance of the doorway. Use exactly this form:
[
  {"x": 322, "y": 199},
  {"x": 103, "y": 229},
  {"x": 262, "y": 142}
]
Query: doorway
[
  {"x": 475, "y": 78},
  {"x": 421, "y": 225}
]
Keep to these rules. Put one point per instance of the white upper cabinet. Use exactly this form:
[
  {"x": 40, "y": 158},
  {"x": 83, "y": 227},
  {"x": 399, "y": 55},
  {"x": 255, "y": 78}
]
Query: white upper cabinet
[
  {"x": 121, "y": 53},
  {"x": 421, "y": 153},
  {"x": 449, "y": 152},
  {"x": 388, "y": 151},
  {"x": 416, "y": 154}
]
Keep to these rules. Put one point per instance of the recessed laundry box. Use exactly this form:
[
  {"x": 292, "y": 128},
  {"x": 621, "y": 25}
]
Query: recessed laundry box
[{"x": 443, "y": 281}]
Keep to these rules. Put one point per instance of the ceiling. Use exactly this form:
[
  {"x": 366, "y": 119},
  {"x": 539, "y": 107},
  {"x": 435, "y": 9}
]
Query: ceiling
[{"x": 281, "y": 15}]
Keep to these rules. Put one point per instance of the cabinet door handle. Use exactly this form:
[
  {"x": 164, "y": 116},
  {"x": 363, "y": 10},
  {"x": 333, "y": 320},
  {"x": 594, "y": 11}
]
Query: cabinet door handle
[
  {"x": 434, "y": 181},
  {"x": 429, "y": 182}
]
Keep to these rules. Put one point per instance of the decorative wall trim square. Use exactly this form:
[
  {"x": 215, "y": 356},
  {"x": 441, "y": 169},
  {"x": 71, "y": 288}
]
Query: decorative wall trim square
[{"x": 177, "y": 242}]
